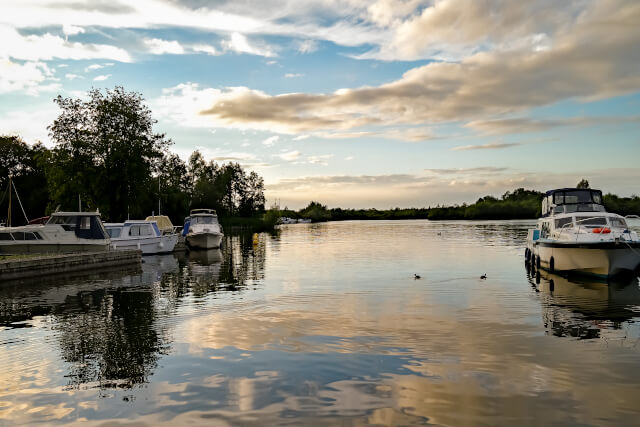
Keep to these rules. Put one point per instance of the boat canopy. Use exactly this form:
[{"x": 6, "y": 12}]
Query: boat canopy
[
  {"x": 203, "y": 212},
  {"x": 85, "y": 225},
  {"x": 568, "y": 200},
  {"x": 163, "y": 221}
]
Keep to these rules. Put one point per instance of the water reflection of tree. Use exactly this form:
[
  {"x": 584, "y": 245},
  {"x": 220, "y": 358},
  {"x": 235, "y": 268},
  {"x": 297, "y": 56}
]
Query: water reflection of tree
[
  {"x": 112, "y": 327},
  {"x": 110, "y": 338}
]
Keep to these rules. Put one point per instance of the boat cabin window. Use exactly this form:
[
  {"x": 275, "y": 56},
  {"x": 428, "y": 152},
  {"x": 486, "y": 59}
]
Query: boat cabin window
[
  {"x": 203, "y": 220},
  {"x": 545, "y": 230},
  {"x": 5, "y": 236},
  {"x": 618, "y": 222},
  {"x": 140, "y": 230},
  {"x": 564, "y": 222},
  {"x": 593, "y": 222},
  {"x": 114, "y": 232}
]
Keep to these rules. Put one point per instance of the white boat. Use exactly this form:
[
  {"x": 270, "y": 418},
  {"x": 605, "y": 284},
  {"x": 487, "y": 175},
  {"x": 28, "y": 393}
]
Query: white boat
[
  {"x": 64, "y": 232},
  {"x": 143, "y": 235},
  {"x": 202, "y": 229},
  {"x": 576, "y": 235}
]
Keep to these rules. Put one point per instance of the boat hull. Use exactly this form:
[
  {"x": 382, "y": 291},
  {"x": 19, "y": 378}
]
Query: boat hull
[
  {"x": 40, "y": 247},
  {"x": 149, "y": 245},
  {"x": 204, "y": 240},
  {"x": 602, "y": 260}
]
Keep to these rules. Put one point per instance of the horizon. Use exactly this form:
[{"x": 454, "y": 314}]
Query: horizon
[{"x": 354, "y": 104}]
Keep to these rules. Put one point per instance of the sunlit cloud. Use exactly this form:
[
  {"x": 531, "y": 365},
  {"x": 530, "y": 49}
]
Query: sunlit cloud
[
  {"x": 239, "y": 43},
  {"x": 271, "y": 140},
  {"x": 491, "y": 146},
  {"x": 293, "y": 75},
  {"x": 160, "y": 47},
  {"x": 48, "y": 46},
  {"x": 101, "y": 78},
  {"x": 290, "y": 156}
]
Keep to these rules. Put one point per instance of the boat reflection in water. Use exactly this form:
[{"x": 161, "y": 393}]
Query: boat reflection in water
[{"x": 585, "y": 309}]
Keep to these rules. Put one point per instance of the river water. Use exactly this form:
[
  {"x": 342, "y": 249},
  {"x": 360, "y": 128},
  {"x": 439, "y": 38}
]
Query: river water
[{"x": 325, "y": 324}]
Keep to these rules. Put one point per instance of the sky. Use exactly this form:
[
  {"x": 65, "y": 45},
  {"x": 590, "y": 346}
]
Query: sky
[{"x": 354, "y": 104}]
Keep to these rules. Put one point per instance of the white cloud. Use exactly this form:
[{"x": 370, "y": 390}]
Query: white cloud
[
  {"x": 271, "y": 140},
  {"x": 307, "y": 46},
  {"x": 94, "y": 67},
  {"x": 47, "y": 46},
  {"x": 301, "y": 137},
  {"x": 292, "y": 75},
  {"x": 101, "y": 78},
  {"x": 240, "y": 44},
  {"x": 71, "y": 76},
  {"x": 30, "y": 77},
  {"x": 204, "y": 48},
  {"x": 31, "y": 125},
  {"x": 349, "y": 158},
  {"x": 319, "y": 160},
  {"x": 290, "y": 156},
  {"x": 161, "y": 47},
  {"x": 71, "y": 30}
]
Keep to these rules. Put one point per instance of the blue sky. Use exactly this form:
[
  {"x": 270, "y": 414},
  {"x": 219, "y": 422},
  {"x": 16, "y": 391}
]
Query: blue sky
[{"x": 352, "y": 103}]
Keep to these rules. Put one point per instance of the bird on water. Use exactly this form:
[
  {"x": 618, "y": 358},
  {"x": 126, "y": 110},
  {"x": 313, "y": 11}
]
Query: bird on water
[
  {"x": 484, "y": 276},
  {"x": 416, "y": 276}
]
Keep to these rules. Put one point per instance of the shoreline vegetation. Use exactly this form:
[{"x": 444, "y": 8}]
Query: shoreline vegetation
[{"x": 107, "y": 157}]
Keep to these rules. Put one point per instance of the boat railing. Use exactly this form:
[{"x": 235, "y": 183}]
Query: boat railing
[{"x": 570, "y": 225}]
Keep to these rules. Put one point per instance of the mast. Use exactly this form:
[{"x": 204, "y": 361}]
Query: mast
[{"x": 9, "y": 212}]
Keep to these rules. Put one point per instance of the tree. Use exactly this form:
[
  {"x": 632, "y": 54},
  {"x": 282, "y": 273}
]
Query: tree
[
  {"x": 21, "y": 162},
  {"x": 105, "y": 152},
  {"x": 583, "y": 184}
]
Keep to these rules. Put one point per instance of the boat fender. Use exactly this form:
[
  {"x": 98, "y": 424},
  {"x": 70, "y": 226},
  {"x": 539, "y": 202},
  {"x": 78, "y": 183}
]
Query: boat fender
[
  {"x": 552, "y": 265},
  {"x": 538, "y": 262},
  {"x": 603, "y": 230}
]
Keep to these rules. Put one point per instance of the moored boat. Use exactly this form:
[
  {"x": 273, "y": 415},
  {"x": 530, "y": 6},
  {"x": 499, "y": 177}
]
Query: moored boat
[
  {"x": 202, "y": 230},
  {"x": 577, "y": 235},
  {"x": 143, "y": 235},
  {"x": 64, "y": 232}
]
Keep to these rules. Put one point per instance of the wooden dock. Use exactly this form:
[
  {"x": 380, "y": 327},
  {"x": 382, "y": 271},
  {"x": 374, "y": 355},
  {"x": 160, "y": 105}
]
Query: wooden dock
[{"x": 40, "y": 265}]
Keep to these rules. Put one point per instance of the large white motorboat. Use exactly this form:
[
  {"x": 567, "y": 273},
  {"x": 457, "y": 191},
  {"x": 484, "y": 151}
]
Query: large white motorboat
[
  {"x": 576, "y": 234},
  {"x": 202, "y": 229},
  {"x": 143, "y": 235},
  {"x": 64, "y": 232}
]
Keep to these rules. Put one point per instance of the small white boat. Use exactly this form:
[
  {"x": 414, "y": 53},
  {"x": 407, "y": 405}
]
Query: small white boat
[
  {"x": 202, "y": 229},
  {"x": 64, "y": 232},
  {"x": 576, "y": 234},
  {"x": 143, "y": 235}
]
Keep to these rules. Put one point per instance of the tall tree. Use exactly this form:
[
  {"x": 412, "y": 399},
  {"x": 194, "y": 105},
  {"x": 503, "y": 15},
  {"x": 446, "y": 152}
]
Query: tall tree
[
  {"x": 583, "y": 184},
  {"x": 21, "y": 162},
  {"x": 105, "y": 152}
]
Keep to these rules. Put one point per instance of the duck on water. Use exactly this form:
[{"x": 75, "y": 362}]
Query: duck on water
[{"x": 577, "y": 235}]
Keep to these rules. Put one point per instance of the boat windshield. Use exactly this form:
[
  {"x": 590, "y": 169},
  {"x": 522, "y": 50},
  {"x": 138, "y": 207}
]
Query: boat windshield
[
  {"x": 618, "y": 222},
  {"x": 577, "y": 196},
  {"x": 593, "y": 222},
  {"x": 203, "y": 220}
]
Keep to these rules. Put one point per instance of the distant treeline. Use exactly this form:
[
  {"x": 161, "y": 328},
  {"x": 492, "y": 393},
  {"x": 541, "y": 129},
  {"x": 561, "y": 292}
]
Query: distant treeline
[
  {"x": 517, "y": 204},
  {"x": 106, "y": 156}
]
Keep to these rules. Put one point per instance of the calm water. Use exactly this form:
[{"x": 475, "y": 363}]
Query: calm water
[{"x": 325, "y": 324}]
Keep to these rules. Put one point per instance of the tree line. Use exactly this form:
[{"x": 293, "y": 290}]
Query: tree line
[{"x": 107, "y": 156}]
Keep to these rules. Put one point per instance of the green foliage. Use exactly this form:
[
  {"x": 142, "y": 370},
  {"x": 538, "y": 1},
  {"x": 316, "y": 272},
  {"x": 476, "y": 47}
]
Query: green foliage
[
  {"x": 270, "y": 218},
  {"x": 228, "y": 188},
  {"x": 316, "y": 212},
  {"x": 583, "y": 184},
  {"x": 23, "y": 163},
  {"x": 622, "y": 205},
  {"x": 105, "y": 151}
]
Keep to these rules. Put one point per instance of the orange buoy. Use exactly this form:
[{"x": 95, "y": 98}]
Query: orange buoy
[{"x": 603, "y": 230}]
